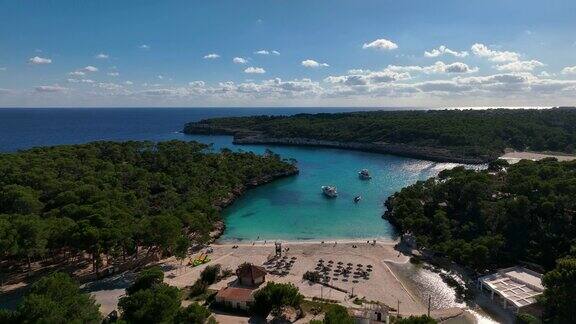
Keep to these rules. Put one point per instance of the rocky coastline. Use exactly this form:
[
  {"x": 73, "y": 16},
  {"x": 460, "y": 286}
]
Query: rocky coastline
[
  {"x": 237, "y": 192},
  {"x": 248, "y": 137}
]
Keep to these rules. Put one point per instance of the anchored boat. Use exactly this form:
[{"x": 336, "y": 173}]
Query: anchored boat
[
  {"x": 330, "y": 191},
  {"x": 364, "y": 174}
]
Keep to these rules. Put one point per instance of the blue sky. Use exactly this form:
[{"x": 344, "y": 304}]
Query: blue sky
[{"x": 319, "y": 53}]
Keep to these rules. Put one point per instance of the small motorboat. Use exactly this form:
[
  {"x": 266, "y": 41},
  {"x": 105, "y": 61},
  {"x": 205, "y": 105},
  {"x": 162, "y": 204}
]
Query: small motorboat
[
  {"x": 357, "y": 199},
  {"x": 330, "y": 191},
  {"x": 364, "y": 174}
]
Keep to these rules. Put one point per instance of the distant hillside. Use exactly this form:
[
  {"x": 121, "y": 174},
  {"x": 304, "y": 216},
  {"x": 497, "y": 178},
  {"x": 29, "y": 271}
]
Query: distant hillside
[{"x": 469, "y": 136}]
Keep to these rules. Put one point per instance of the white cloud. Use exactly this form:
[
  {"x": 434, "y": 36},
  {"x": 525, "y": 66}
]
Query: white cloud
[
  {"x": 128, "y": 82},
  {"x": 113, "y": 74},
  {"x": 438, "y": 67},
  {"x": 198, "y": 83},
  {"x": 37, "y": 60},
  {"x": 101, "y": 56},
  {"x": 80, "y": 81},
  {"x": 368, "y": 77},
  {"x": 76, "y": 73},
  {"x": 239, "y": 60},
  {"x": 569, "y": 70},
  {"x": 441, "y": 50},
  {"x": 313, "y": 64},
  {"x": 267, "y": 52},
  {"x": 519, "y": 66},
  {"x": 254, "y": 70},
  {"x": 211, "y": 56},
  {"x": 90, "y": 68},
  {"x": 160, "y": 77},
  {"x": 50, "y": 88},
  {"x": 482, "y": 50},
  {"x": 144, "y": 47},
  {"x": 109, "y": 86},
  {"x": 457, "y": 67},
  {"x": 3, "y": 69},
  {"x": 381, "y": 44}
]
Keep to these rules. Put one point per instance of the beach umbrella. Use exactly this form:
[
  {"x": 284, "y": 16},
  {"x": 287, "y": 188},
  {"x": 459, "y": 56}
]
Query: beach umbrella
[
  {"x": 359, "y": 265},
  {"x": 330, "y": 261},
  {"x": 340, "y": 262},
  {"x": 349, "y": 264},
  {"x": 369, "y": 266}
]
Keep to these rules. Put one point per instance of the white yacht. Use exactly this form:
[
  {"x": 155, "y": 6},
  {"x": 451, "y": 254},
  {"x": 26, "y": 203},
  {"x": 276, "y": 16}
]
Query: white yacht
[
  {"x": 330, "y": 191},
  {"x": 364, "y": 174}
]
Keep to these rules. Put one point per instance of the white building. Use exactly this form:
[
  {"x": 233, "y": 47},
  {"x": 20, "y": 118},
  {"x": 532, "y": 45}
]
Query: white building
[{"x": 516, "y": 287}]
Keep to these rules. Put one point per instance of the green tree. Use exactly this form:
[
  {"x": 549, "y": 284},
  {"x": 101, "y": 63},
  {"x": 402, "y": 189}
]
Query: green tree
[
  {"x": 336, "y": 314},
  {"x": 8, "y": 237},
  {"x": 18, "y": 199},
  {"x": 181, "y": 248},
  {"x": 32, "y": 237},
  {"x": 276, "y": 295},
  {"x": 559, "y": 297},
  {"x": 210, "y": 274},
  {"x": 159, "y": 304},
  {"x": 57, "y": 298},
  {"x": 146, "y": 279},
  {"x": 192, "y": 314}
]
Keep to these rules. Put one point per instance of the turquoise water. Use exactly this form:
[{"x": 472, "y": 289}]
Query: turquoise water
[
  {"x": 290, "y": 209},
  {"x": 294, "y": 208}
]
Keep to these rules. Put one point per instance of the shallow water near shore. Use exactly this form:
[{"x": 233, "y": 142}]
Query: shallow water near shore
[{"x": 292, "y": 208}]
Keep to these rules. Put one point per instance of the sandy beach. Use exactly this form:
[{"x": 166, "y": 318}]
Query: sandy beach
[
  {"x": 382, "y": 284},
  {"x": 515, "y": 156}
]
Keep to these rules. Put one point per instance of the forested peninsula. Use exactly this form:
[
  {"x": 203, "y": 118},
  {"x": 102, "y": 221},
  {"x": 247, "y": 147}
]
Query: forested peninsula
[
  {"x": 507, "y": 215},
  {"x": 113, "y": 201},
  {"x": 492, "y": 218},
  {"x": 463, "y": 136}
]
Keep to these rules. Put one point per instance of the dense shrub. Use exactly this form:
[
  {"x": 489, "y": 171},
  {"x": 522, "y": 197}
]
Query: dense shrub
[
  {"x": 274, "y": 296},
  {"x": 336, "y": 314}
]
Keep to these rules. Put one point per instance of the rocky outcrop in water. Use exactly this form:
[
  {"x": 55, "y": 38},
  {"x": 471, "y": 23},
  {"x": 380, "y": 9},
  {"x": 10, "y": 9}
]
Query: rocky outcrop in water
[{"x": 244, "y": 137}]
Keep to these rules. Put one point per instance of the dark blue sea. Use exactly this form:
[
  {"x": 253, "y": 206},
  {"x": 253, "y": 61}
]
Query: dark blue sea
[{"x": 22, "y": 128}]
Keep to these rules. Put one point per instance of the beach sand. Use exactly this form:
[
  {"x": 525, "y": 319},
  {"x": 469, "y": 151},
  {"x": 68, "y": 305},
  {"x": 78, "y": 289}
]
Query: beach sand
[
  {"x": 515, "y": 156},
  {"x": 382, "y": 285}
]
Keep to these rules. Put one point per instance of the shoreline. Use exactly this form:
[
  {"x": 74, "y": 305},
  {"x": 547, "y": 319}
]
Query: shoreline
[
  {"x": 247, "y": 137},
  {"x": 379, "y": 240},
  {"x": 515, "y": 156},
  {"x": 220, "y": 226}
]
